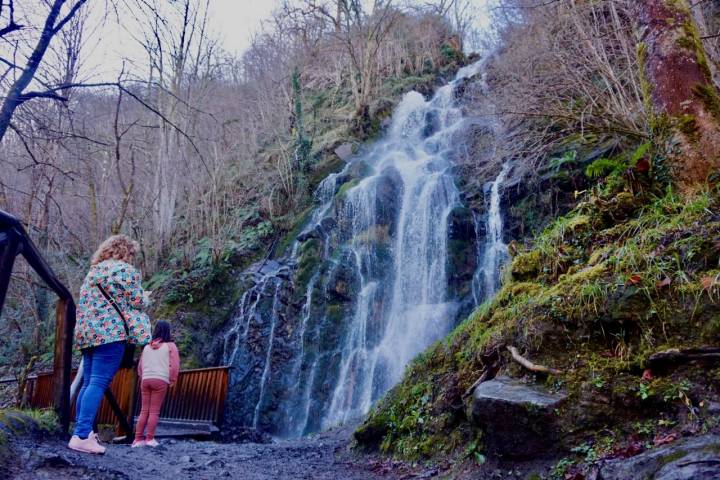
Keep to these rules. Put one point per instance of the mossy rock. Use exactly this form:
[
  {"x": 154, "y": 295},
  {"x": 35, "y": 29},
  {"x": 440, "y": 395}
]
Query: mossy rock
[
  {"x": 308, "y": 263},
  {"x": 526, "y": 266},
  {"x": 23, "y": 423},
  {"x": 342, "y": 191}
]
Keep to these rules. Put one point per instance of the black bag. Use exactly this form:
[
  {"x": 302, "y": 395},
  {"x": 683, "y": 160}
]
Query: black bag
[{"x": 128, "y": 360}]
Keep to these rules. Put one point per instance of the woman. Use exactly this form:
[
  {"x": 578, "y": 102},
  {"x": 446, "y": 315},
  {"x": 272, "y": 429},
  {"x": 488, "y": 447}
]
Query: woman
[
  {"x": 158, "y": 368},
  {"x": 102, "y": 332}
]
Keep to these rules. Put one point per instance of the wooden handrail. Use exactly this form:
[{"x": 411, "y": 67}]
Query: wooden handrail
[
  {"x": 74, "y": 370},
  {"x": 14, "y": 241}
]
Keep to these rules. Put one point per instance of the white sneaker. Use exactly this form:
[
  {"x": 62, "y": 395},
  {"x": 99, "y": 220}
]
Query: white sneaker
[
  {"x": 89, "y": 445},
  {"x": 137, "y": 443},
  {"x": 152, "y": 443}
]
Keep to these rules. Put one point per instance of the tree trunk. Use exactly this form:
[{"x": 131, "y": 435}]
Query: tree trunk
[{"x": 679, "y": 87}]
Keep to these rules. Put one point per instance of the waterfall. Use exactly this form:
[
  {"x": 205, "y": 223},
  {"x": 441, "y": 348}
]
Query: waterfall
[
  {"x": 382, "y": 269},
  {"x": 495, "y": 252}
]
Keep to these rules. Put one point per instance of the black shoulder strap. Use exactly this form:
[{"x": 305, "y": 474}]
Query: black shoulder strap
[{"x": 115, "y": 305}]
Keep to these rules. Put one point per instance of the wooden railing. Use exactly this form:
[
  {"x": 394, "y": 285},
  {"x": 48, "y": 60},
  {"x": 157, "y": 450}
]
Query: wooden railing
[
  {"x": 198, "y": 396},
  {"x": 15, "y": 241}
]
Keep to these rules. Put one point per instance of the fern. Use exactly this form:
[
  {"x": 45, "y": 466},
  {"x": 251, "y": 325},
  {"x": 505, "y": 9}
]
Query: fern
[
  {"x": 607, "y": 166},
  {"x": 604, "y": 166},
  {"x": 557, "y": 163}
]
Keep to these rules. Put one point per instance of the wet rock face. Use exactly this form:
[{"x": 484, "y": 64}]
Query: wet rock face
[
  {"x": 271, "y": 316},
  {"x": 692, "y": 459},
  {"x": 518, "y": 420},
  {"x": 462, "y": 255},
  {"x": 389, "y": 189}
]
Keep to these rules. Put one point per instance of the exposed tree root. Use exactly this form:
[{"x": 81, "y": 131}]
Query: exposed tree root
[
  {"x": 530, "y": 365},
  {"x": 480, "y": 380}
]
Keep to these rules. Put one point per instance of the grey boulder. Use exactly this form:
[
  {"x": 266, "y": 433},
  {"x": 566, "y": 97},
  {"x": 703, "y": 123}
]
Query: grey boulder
[
  {"x": 696, "y": 458},
  {"x": 518, "y": 420}
]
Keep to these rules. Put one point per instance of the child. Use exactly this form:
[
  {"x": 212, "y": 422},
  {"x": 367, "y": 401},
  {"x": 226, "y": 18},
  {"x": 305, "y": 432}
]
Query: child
[{"x": 158, "y": 367}]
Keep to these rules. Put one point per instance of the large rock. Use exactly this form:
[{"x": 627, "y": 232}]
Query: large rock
[
  {"x": 344, "y": 151},
  {"x": 696, "y": 458},
  {"x": 518, "y": 420}
]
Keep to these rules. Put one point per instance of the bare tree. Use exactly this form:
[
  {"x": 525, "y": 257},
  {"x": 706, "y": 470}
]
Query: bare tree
[
  {"x": 17, "y": 93},
  {"x": 177, "y": 43},
  {"x": 576, "y": 80}
]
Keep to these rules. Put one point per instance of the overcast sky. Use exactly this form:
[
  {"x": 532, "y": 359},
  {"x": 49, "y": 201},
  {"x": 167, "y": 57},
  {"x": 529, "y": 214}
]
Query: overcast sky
[{"x": 234, "y": 22}]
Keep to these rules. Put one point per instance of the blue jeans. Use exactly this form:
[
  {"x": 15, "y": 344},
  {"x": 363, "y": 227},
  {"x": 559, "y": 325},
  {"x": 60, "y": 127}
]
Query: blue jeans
[{"x": 99, "y": 366}]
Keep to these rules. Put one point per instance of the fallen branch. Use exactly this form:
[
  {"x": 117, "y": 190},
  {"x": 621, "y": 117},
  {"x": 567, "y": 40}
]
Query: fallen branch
[
  {"x": 530, "y": 365},
  {"x": 685, "y": 355}
]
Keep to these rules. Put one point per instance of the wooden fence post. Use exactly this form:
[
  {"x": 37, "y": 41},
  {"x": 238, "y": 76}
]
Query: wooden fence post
[{"x": 62, "y": 360}]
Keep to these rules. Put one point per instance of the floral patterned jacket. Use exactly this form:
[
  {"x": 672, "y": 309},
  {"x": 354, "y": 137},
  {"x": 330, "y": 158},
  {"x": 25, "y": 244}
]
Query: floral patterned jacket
[{"x": 98, "y": 322}]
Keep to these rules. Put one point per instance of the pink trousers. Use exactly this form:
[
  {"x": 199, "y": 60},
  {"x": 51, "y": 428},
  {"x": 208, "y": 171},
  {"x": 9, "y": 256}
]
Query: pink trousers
[{"x": 153, "y": 392}]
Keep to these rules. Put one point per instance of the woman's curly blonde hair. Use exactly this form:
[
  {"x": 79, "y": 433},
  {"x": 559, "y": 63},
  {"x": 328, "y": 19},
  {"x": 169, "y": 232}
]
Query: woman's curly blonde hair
[{"x": 117, "y": 247}]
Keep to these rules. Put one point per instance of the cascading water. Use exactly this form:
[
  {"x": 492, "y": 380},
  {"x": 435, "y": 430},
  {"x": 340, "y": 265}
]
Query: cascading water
[
  {"x": 383, "y": 268},
  {"x": 492, "y": 254}
]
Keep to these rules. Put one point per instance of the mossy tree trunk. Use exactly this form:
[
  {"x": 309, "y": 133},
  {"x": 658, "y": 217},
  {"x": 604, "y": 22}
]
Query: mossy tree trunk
[{"x": 679, "y": 88}]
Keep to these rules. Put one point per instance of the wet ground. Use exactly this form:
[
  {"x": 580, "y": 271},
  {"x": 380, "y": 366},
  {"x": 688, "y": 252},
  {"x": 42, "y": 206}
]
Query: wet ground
[{"x": 323, "y": 457}]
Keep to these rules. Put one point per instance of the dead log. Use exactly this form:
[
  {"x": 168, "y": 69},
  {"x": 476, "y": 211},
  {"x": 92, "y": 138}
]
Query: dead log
[{"x": 530, "y": 365}]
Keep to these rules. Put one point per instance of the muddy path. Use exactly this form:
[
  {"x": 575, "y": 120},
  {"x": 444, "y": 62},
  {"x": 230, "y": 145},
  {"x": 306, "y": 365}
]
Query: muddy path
[{"x": 323, "y": 457}]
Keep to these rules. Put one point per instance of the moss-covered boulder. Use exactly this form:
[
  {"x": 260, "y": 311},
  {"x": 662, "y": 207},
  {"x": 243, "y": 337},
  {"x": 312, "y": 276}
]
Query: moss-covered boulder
[
  {"x": 15, "y": 424},
  {"x": 527, "y": 265}
]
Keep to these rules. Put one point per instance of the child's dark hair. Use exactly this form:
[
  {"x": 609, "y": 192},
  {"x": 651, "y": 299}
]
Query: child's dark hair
[{"x": 162, "y": 331}]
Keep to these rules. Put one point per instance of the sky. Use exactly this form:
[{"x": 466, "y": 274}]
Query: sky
[{"x": 233, "y": 22}]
